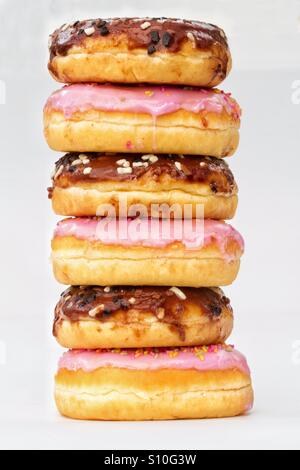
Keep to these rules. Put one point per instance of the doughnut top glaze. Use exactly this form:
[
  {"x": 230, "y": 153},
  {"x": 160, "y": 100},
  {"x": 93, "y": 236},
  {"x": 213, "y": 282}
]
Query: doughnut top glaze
[
  {"x": 166, "y": 304},
  {"x": 205, "y": 358},
  {"x": 153, "y": 100},
  {"x": 152, "y": 232},
  {"x": 212, "y": 171},
  {"x": 153, "y": 34}
]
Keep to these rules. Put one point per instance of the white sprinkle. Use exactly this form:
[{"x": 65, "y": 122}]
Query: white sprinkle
[
  {"x": 89, "y": 31},
  {"x": 145, "y": 25},
  {"x": 137, "y": 164},
  {"x": 181, "y": 295},
  {"x": 96, "y": 310},
  {"x": 191, "y": 37},
  {"x": 59, "y": 172},
  {"x": 82, "y": 156},
  {"x": 87, "y": 170},
  {"x": 64, "y": 27},
  {"x": 76, "y": 162},
  {"x": 160, "y": 313},
  {"x": 178, "y": 166},
  {"x": 107, "y": 289},
  {"x": 146, "y": 164},
  {"x": 202, "y": 164},
  {"x": 124, "y": 171},
  {"x": 121, "y": 162},
  {"x": 146, "y": 157},
  {"x": 86, "y": 161},
  {"x": 153, "y": 159},
  {"x": 126, "y": 164},
  {"x": 131, "y": 300},
  {"x": 218, "y": 291}
]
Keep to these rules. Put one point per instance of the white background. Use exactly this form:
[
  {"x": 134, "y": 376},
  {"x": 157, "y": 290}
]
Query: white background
[{"x": 264, "y": 37}]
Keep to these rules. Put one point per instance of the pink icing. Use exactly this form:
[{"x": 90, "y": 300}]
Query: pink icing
[
  {"x": 215, "y": 358},
  {"x": 151, "y": 232},
  {"x": 155, "y": 101}
]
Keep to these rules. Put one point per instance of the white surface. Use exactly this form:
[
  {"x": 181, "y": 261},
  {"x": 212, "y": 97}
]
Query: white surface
[{"x": 264, "y": 36}]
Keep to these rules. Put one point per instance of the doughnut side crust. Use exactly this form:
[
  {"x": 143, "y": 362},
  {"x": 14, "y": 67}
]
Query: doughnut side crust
[
  {"x": 161, "y": 272},
  {"x": 79, "y": 262},
  {"x": 178, "y": 132},
  {"x": 87, "y": 201},
  {"x": 117, "y": 65},
  {"x": 122, "y": 394},
  {"x": 142, "y": 332}
]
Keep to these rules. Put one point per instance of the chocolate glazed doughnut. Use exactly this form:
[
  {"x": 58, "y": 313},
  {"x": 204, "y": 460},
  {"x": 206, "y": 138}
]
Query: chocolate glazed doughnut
[
  {"x": 140, "y": 50},
  {"x": 94, "y": 317},
  {"x": 82, "y": 183}
]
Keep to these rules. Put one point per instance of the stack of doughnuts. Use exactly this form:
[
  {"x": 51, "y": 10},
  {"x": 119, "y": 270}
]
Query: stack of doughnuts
[{"x": 144, "y": 192}]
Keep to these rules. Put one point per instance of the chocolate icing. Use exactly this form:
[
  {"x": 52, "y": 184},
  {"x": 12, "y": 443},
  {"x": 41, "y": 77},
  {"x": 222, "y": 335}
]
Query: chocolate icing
[
  {"x": 163, "y": 34},
  {"x": 200, "y": 169},
  {"x": 77, "y": 302}
]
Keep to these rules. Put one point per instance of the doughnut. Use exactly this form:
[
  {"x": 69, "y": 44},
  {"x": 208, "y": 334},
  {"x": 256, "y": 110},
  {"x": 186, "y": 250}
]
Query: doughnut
[
  {"x": 82, "y": 183},
  {"x": 140, "y": 50},
  {"x": 108, "y": 251},
  {"x": 110, "y": 118},
  {"x": 91, "y": 317},
  {"x": 147, "y": 384}
]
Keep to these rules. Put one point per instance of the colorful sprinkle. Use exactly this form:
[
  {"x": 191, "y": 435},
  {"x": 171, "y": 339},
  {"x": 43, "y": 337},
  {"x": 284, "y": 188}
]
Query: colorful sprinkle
[
  {"x": 172, "y": 353},
  {"x": 199, "y": 351}
]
